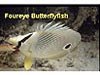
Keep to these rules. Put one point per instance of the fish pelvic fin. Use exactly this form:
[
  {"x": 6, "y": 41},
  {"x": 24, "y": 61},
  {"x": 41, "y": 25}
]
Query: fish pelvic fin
[{"x": 28, "y": 62}]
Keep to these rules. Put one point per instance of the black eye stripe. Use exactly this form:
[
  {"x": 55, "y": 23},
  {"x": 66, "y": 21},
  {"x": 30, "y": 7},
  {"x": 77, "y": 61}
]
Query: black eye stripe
[
  {"x": 19, "y": 44},
  {"x": 23, "y": 40}
]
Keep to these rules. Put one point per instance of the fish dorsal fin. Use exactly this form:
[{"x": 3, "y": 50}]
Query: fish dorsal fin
[{"x": 51, "y": 27}]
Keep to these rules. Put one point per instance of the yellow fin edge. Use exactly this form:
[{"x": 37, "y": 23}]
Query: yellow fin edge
[{"x": 28, "y": 63}]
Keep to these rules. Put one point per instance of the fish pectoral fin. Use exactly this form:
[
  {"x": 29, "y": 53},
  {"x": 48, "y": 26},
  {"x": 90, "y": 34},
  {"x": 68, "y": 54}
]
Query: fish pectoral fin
[{"x": 28, "y": 62}]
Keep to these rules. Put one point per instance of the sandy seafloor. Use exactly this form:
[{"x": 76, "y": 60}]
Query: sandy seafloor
[{"x": 84, "y": 58}]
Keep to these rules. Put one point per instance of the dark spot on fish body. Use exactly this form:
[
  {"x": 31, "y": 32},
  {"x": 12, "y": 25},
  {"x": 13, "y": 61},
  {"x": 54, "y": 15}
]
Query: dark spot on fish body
[{"x": 67, "y": 46}]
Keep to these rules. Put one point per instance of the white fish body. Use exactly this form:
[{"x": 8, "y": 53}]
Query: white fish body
[{"x": 49, "y": 41}]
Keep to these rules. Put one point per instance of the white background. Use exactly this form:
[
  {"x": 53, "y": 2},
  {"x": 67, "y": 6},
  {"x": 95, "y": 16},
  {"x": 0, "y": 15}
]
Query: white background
[
  {"x": 50, "y": 1},
  {"x": 49, "y": 73}
]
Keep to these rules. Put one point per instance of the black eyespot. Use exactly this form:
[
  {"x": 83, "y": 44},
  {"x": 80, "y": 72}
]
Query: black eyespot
[{"x": 67, "y": 46}]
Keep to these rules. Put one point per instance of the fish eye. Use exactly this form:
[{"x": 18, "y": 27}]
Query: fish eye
[{"x": 67, "y": 46}]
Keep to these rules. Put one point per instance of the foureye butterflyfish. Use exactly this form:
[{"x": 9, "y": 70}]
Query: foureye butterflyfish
[{"x": 47, "y": 41}]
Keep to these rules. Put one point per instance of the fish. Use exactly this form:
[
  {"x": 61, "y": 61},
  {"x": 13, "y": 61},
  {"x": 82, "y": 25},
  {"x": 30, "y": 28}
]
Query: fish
[{"x": 48, "y": 41}]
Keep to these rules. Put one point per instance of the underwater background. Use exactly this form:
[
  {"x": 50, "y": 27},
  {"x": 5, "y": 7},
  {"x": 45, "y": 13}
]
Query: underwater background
[{"x": 83, "y": 19}]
